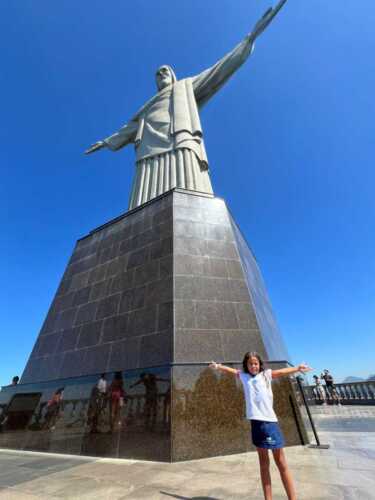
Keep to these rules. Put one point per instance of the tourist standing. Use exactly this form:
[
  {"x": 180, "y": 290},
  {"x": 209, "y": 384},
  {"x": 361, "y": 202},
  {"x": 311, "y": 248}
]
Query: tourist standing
[
  {"x": 265, "y": 431},
  {"x": 319, "y": 390},
  {"x": 330, "y": 386}
]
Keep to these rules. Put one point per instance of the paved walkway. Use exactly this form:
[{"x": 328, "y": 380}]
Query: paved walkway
[{"x": 346, "y": 471}]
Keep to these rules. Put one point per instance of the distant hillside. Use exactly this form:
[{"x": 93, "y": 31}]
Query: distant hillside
[
  {"x": 371, "y": 377},
  {"x": 352, "y": 379}
]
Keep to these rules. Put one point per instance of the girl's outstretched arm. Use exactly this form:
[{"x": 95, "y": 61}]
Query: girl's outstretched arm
[
  {"x": 283, "y": 372},
  {"x": 223, "y": 368}
]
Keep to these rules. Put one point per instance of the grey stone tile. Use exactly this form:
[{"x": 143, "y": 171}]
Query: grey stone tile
[
  {"x": 89, "y": 334},
  {"x": 163, "y": 215},
  {"x": 138, "y": 258},
  {"x": 159, "y": 291},
  {"x": 98, "y": 273},
  {"x": 190, "y": 246},
  {"x": 68, "y": 339},
  {"x": 156, "y": 349},
  {"x": 49, "y": 368},
  {"x": 215, "y": 315},
  {"x": 165, "y": 316},
  {"x": 115, "y": 328},
  {"x": 117, "y": 266},
  {"x": 228, "y": 316},
  {"x": 222, "y": 249},
  {"x": 125, "y": 354},
  {"x": 65, "y": 319},
  {"x": 96, "y": 359},
  {"x": 133, "y": 299},
  {"x": 82, "y": 296},
  {"x": 193, "y": 346},
  {"x": 235, "y": 269},
  {"x": 215, "y": 268},
  {"x": 86, "y": 313},
  {"x": 72, "y": 365},
  {"x": 142, "y": 322},
  {"x": 208, "y": 315},
  {"x": 122, "y": 282},
  {"x": 141, "y": 225},
  {"x": 108, "y": 306},
  {"x": 185, "y": 314},
  {"x": 79, "y": 280},
  {"x": 218, "y": 232},
  {"x": 189, "y": 229},
  {"x": 165, "y": 230},
  {"x": 166, "y": 267},
  {"x": 185, "y": 288},
  {"x": 238, "y": 291},
  {"x": 146, "y": 273},
  {"x": 161, "y": 248},
  {"x": 190, "y": 265},
  {"x": 82, "y": 265},
  {"x": 236, "y": 343},
  {"x": 100, "y": 290},
  {"x": 107, "y": 254},
  {"x": 246, "y": 316}
]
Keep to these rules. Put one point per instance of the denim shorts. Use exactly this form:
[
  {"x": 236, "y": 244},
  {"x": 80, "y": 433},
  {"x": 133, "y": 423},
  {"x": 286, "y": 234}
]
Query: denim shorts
[{"x": 266, "y": 435}]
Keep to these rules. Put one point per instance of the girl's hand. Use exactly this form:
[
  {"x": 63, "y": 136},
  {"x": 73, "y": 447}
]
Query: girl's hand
[
  {"x": 303, "y": 368},
  {"x": 214, "y": 365}
]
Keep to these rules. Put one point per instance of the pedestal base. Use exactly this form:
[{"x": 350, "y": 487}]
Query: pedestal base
[{"x": 156, "y": 295}]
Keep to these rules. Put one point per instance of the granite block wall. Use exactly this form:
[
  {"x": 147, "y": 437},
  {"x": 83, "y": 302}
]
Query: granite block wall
[{"x": 113, "y": 308}]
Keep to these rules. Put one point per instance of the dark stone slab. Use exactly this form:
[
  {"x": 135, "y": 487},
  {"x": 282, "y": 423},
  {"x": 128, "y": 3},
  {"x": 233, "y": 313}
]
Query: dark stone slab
[
  {"x": 132, "y": 299},
  {"x": 125, "y": 353},
  {"x": 96, "y": 358},
  {"x": 156, "y": 349},
  {"x": 90, "y": 334},
  {"x": 72, "y": 365},
  {"x": 115, "y": 328},
  {"x": 86, "y": 313},
  {"x": 108, "y": 306},
  {"x": 68, "y": 339},
  {"x": 82, "y": 296}
]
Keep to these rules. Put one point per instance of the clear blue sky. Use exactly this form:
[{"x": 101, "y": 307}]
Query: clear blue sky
[{"x": 290, "y": 141}]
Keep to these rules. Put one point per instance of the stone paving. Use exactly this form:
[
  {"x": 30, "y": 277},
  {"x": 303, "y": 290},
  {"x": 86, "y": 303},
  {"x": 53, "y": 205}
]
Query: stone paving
[{"x": 346, "y": 471}]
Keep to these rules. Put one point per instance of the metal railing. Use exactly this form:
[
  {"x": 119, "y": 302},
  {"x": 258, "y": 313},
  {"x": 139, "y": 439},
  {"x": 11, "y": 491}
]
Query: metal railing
[{"x": 351, "y": 393}]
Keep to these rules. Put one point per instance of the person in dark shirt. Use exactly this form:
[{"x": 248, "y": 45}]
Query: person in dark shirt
[{"x": 330, "y": 386}]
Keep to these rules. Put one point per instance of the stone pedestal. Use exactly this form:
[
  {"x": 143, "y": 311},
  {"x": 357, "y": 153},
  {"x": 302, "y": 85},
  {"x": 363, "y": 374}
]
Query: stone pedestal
[{"x": 155, "y": 294}]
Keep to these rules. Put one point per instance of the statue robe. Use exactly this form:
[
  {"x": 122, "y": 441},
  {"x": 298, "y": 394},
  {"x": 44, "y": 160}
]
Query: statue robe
[{"x": 168, "y": 136}]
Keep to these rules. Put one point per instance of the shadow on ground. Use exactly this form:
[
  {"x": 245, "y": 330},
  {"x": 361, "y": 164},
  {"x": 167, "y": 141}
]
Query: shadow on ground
[{"x": 179, "y": 497}]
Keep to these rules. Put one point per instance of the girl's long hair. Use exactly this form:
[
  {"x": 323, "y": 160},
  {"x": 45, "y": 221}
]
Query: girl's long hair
[{"x": 246, "y": 358}]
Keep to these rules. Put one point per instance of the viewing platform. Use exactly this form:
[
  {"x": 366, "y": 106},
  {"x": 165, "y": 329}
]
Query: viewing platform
[{"x": 345, "y": 471}]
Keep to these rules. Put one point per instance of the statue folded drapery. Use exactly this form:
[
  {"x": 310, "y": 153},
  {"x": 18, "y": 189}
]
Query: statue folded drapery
[{"x": 167, "y": 132}]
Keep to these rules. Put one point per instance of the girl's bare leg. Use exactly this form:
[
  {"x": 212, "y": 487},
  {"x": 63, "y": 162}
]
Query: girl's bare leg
[
  {"x": 285, "y": 474},
  {"x": 264, "y": 464}
]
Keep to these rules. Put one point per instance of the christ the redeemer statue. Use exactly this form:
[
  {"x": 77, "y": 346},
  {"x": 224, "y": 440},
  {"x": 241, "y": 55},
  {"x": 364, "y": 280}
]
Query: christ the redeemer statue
[{"x": 167, "y": 132}]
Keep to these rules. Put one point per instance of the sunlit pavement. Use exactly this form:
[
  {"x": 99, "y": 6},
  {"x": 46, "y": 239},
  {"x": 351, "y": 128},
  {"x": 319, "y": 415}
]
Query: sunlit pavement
[{"x": 346, "y": 471}]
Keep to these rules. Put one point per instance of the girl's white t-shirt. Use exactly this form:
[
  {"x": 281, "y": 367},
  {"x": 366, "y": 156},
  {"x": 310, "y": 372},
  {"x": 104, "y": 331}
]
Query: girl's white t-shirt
[{"x": 258, "y": 396}]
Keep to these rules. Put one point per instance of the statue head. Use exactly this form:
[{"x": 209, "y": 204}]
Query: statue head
[{"x": 165, "y": 76}]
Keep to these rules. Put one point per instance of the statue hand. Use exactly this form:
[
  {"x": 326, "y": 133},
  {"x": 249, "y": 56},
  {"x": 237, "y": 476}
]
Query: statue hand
[
  {"x": 266, "y": 20},
  {"x": 95, "y": 147}
]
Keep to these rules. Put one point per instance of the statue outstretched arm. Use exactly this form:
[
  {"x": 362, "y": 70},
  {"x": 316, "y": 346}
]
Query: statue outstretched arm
[
  {"x": 207, "y": 83},
  {"x": 126, "y": 135}
]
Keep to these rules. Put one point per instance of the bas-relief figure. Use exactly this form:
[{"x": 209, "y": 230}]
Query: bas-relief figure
[{"x": 167, "y": 132}]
